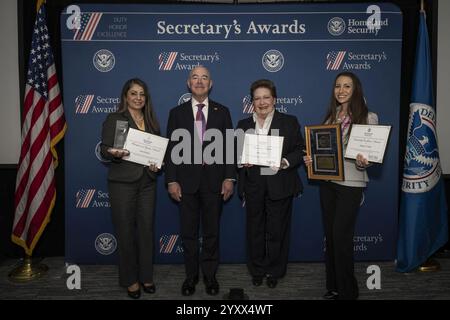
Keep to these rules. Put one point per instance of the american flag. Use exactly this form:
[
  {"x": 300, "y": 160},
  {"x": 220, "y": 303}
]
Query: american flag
[
  {"x": 166, "y": 60},
  {"x": 43, "y": 125},
  {"x": 88, "y": 25}
]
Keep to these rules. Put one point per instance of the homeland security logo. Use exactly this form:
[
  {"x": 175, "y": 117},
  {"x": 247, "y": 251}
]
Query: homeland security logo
[
  {"x": 336, "y": 26},
  {"x": 422, "y": 169},
  {"x": 184, "y": 98},
  {"x": 273, "y": 60},
  {"x": 105, "y": 244},
  {"x": 104, "y": 60},
  {"x": 98, "y": 153}
]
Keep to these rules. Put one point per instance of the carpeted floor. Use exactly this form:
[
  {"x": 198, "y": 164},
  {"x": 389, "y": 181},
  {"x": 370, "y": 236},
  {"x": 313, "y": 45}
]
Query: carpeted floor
[{"x": 303, "y": 281}]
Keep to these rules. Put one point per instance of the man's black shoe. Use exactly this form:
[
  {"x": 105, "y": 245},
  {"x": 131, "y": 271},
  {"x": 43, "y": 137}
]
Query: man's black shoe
[
  {"x": 211, "y": 286},
  {"x": 257, "y": 281},
  {"x": 330, "y": 295},
  {"x": 188, "y": 287},
  {"x": 272, "y": 282}
]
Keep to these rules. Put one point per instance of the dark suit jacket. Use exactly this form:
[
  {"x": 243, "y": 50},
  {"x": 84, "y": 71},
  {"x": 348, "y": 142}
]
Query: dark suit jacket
[
  {"x": 120, "y": 170},
  {"x": 188, "y": 174},
  {"x": 285, "y": 182}
]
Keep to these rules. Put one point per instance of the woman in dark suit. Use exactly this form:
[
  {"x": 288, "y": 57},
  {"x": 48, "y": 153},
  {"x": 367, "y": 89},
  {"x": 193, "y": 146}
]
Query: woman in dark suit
[
  {"x": 269, "y": 192},
  {"x": 132, "y": 190}
]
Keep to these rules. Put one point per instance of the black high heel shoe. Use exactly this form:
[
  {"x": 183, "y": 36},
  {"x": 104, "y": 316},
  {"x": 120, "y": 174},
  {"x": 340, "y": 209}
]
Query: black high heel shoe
[{"x": 149, "y": 289}]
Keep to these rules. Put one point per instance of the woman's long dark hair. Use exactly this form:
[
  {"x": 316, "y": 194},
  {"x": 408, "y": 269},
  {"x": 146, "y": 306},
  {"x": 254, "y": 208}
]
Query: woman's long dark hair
[
  {"x": 149, "y": 113},
  {"x": 357, "y": 107}
]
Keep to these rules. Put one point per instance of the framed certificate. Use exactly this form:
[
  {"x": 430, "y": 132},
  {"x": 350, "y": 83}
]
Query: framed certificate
[
  {"x": 262, "y": 150},
  {"x": 369, "y": 140},
  {"x": 145, "y": 148},
  {"x": 324, "y": 145}
]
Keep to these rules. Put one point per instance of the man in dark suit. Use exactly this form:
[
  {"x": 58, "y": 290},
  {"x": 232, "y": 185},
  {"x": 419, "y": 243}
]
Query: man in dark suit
[
  {"x": 269, "y": 192},
  {"x": 198, "y": 184}
]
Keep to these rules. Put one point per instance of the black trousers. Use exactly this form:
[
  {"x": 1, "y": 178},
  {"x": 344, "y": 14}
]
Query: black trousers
[
  {"x": 202, "y": 207},
  {"x": 340, "y": 205},
  {"x": 268, "y": 232},
  {"x": 132, "y": 207}
]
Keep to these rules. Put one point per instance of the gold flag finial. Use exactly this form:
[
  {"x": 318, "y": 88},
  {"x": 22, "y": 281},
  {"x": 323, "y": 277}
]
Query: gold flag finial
[{"x": 39, "y": 4}]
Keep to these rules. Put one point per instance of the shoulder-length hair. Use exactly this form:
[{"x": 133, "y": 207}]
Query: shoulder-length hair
[
  {"x": 149, "y": 113},
  {"x": 263, "y": 83},
  {"x": 357, "y": 107}
]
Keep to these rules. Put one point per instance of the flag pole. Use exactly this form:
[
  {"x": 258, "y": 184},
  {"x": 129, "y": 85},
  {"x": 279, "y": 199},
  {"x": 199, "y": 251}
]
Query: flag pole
[{"x": 28, "y": 270}]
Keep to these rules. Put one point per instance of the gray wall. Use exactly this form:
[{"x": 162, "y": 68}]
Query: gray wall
[
  {"x": 9, "y": 84},
  {"x": 443, "y": 85}
]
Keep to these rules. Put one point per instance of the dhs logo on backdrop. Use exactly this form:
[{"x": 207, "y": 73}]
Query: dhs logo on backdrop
[
  {"x": 104, "y": 60},
  {"x": 83, "y": 103},
  {"x": 334, "y": 59},
  {"x": 167, "y": 60},
  {"x": 167, "y": 244},
  {"x": 184, "y": 98},
  {"x": 247, "y": 104},
  {"x": 336, "y": 26},
  {"x": 273, "y": 60},
  {"x": 105, "y": 244},
  {"x": 98, "y": 153},
  {"x": 422, "y": 169}
]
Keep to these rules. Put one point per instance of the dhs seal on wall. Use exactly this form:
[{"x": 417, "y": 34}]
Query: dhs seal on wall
[
  {"x": 105, "y": 244},
  {"x": 273, "y": 60},
  {"x": 422, "y": 169},
  {"x": 98, "y": 152},
  {"x": 184, "y": 98},
  {"x": 104, "y": 60},
  {"x": 336, "y": 26}
]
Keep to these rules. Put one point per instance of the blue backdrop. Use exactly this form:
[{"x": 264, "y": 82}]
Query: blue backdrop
[{"x": 300, "y": 47}]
